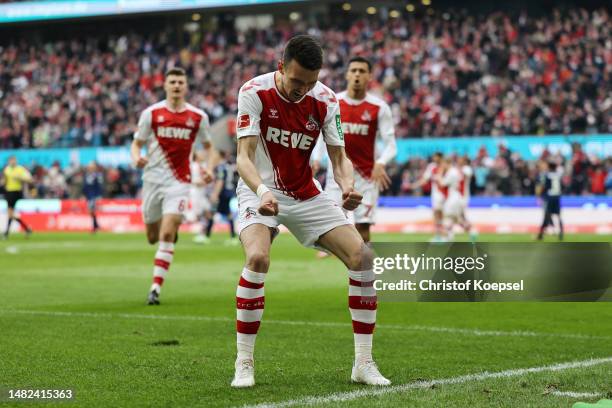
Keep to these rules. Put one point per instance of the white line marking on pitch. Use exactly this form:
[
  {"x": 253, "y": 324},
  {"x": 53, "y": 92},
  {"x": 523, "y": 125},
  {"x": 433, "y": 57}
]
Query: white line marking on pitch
[
  {"x": 371, "y": 392},
  {"x": 572, "y": 394},
  {"x": 453, "y": 330}
]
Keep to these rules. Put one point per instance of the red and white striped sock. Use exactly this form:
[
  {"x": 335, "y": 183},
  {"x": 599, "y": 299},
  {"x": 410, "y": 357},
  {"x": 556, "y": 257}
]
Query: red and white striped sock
[
  {"x": 249, "y": 310},
  {"x": 163, "y": 259},
  {"x": 362, "y": 305}
]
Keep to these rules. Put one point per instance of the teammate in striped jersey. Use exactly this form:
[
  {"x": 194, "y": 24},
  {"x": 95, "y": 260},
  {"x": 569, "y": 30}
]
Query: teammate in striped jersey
[
  {"x": 369, "y": 136},
  {"x": 169, "y": 129}
]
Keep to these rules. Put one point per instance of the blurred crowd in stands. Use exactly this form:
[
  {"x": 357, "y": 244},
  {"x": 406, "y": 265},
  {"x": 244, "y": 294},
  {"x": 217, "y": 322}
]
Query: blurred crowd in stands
[
  {"x": 445, "y": 74},
  {"x": 503, "y": 174}
]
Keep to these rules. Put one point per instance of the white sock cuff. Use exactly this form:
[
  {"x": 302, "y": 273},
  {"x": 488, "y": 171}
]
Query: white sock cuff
[
  {"x": 253, "y": 277},
  {"x": 166, "y": 246},
  {"x": 362, "y": 276},
  {"x": 363, "y": 339}
]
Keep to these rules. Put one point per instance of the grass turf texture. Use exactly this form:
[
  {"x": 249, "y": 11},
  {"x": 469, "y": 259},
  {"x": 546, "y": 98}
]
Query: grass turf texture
[{"x": 72, "y": 315}]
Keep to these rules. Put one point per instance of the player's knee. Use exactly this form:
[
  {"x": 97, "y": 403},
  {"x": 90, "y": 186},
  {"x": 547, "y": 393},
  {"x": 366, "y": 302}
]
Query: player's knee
[
  {"x": 361, "y": 260},
  {"x": 258, "y": 261},
  {"x": 167, "y": 236}
]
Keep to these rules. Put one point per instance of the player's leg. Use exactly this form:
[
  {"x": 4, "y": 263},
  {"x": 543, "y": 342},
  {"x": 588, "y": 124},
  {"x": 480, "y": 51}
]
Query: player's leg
[
  {"x": 92, "y": 212},
  {"x": 365, "y": 214},
  {"x": 174, "y": 200},
  {"x": 560, "y": 226},
  {"x": 556, "y": 211},
  {"x": 153, "y": 217},
  {"x": 224, "y": 210},
  {"x": 250, "y": 300},
  {"x": 12, "y": 198},
  {"x": 437, "y": 206},
  {"x": 334, "y": 192},
  {"x": 10, "y": 214},
  {"x": 346, "y": 243},
  {"x": 256, "y": 233},
  {"x": 546, "y": 221},
  {"x": 364, "y": 230}
]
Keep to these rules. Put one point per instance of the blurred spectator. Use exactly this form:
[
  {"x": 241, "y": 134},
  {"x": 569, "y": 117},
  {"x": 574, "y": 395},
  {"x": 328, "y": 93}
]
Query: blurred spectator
[{"x": 447, "y": 74}]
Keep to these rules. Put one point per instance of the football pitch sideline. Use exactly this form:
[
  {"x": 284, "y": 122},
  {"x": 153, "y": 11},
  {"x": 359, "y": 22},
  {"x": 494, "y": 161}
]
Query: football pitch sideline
[{"x": 73, "y": 316}]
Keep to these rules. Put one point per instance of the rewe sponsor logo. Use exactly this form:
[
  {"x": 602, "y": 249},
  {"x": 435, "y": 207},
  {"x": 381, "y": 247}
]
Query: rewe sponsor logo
[
  {"x": 356, "y": 128},
  {"x": 173, "y": 132},
  {"x": 286, "y": 138}
]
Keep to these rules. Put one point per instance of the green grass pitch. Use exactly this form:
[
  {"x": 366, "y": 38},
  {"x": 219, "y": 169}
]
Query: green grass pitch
[{"x": 73, "y": 315}]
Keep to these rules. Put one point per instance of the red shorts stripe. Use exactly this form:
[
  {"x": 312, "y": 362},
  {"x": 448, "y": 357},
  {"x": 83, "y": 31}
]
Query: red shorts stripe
[
  {"x": 363, "y": 302},
  {"x": 247, "y": 327},
  {"x": 363, "y": 328},
  {"x": 250, "y": 304},
  {"x": 246, "y": 284},
  {"x": 162, "y": 264},
  {"x": 158, "y": 279},
  {"x": 353, "y": 282}
]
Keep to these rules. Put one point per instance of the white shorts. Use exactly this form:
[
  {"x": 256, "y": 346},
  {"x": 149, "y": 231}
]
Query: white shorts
[
  {"x": 453, "y": 207},
  {"x": 199, "y": 200},
  {"x": 306, "y": 220},
  {"x": 162, "y": 199},
  {"x": 437, "y": 201},
  {"x": 366, "y": 212}
]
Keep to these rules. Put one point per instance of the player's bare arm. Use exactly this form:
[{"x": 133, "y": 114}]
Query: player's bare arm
[
  {"x": 138, "y": 160},
  {"x": 380, "y": 176},
  {"x": 247, "y": 170},
  {"x": 343, "y": 175},
  {"x": 211, "y": 163}
]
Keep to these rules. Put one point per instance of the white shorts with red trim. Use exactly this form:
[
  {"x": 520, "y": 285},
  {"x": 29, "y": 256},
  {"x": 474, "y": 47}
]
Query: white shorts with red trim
[
  {"x": 306, "y": 220},
  {"x": 366, "y": 212},
  {"x": 162, "y": 199},
  {"x": 199, "y": 200},
  {"x": 453, "y": 207},
  {"x": 437, "y": 201}
]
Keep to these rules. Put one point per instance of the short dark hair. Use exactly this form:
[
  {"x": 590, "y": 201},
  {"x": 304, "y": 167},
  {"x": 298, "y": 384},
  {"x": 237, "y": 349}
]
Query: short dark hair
[
  {"x": 306, "y": 50},
  {"x": 361, "y": 59},
  {"x": 178, "y": 71}
]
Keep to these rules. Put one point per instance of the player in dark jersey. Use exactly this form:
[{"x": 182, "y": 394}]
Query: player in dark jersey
[
  {"x": 549, "y": 189},
  {"x": 223, "y": 192},
  {"x": 93, "y": 184}
]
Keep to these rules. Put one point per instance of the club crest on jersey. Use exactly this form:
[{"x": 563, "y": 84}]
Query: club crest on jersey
[
  {"x": 249, "y": 212},
  {"x": 366, "y": 117},
  {"x": 160, "y": 118},
  {"x": 273, "y": 113},
  {"x": 190, "y": 123},
  {"x": 312, "y": 124}
]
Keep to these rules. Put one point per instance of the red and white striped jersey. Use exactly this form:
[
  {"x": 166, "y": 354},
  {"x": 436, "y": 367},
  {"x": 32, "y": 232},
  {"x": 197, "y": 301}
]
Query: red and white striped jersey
[
  {"x": 287, "y": 132},
  {"x": 363, "y": 122},
  {"x": 451, "y": 180},
  {"x": 170, "y": 138},
  {"x": 466, "y": 172},
  {"x": 431, "y": 173}
]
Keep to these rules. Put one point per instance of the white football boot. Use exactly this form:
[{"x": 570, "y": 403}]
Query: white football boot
[
  {"x": 366, "y": 372},
  {"x": 245, "y": 373}
]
